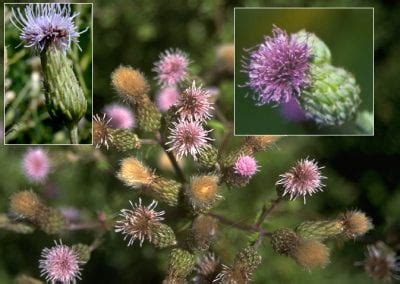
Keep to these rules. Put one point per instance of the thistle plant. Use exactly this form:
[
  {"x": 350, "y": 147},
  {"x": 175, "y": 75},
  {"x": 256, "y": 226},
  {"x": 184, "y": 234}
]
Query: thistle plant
[
  {"x": 50, "y": 31},
  {"x": 178, "y": 212},
  {"x": 296, "y": 68}
]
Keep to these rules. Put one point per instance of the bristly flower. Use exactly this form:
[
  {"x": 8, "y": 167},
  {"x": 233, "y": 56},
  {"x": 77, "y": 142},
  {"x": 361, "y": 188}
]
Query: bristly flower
[
  {"x": 166, "y": 98},
  {"x": 381, "y": 263},
  {"x": 36, "y": 164},
  {"x": 188, "y": 137},
  {"x": 292, "y": 111},
  {"x": 278, "y": 68},
  {"x": 207, "y": 268},
  {"x": 42, "y": 25},
  {"x": 138, "y": 223},
  {"x": 172, "y": 67},
  {"x": 246, "y": 166},
  {"x": 121, "y": 116},
  {"x": 194, "y": 103},
  {"x": 60, "y": 264},
  {"x": 303, "y": 179},
  {"x": 101, "y": 135}
]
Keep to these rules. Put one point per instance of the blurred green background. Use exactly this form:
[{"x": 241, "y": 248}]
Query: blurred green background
[
  {"x": 362, "y": 171},
  {"x": 26, "y": 118},
  {"x": 348, "y": 34}
]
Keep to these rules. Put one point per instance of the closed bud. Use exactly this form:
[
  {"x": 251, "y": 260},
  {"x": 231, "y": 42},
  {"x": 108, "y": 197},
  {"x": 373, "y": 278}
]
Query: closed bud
[
  {"x": 333, "y": 97},
  {"x": 133, "y": 173},
  {"x": 208, "y": 158},
  {"x": 25, "y": 203},
  {"x": 319, "y": 50},
  {"x": 231, "y": 158},
  {"x": 82, "y": 251},
  {"x": 181, "y": 263},
  {"x": 311, "y": 254},
  {"x": 204, "y": 231},
  {"x": 130, "y": 84},
  {"x": 148, "y": 115},
  {"x": 16, "y": 227},
  {"x": 319, "y": 230},
  {"x": 247, "y": 260},
  {"x": 284, "y": 241},
  {"x": 163, "y": 236},
  {"x": 355, "y": 223},
  {"x": 165, "y": 190},
  {"x": 203, "y": 192},
  {"x": 50, "y": 220},
  {"x": 65, "y": 99},
  {"x": 231, "y": 178}
]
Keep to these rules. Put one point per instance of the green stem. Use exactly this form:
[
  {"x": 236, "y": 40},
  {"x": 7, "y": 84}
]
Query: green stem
[{"x": 73, "y": 134}]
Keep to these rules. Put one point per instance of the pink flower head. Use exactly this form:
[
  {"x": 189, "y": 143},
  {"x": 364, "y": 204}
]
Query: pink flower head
[
  {"x": 194, "y": 103},
  {"x": 188, "y": 137},
  {"x": 292, "y": 111},
  {"x": 36, "y": 164},
  {"x": 166, "y": 98},
  {"x": 121, "y": 116},
  {"x": 60, "y": 264},
  {"x": 172, "y": 67},
  {"x": 246, "y": 166},
  {"x": 301, "y": 180}
]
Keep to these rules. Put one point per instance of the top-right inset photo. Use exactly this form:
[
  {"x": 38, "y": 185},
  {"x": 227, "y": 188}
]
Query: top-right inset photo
[{"x": 304, "y": 71}]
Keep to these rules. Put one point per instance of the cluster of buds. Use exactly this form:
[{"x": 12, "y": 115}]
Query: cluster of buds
[
  {"x": 26, "y": 204},
  {"x": 305, "y": 243}
]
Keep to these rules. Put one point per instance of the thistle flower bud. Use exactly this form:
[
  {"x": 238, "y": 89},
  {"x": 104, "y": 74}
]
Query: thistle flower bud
[
  {"x": 284, "y": 241},
  {"x": 165, "y": 190},
  {"x": 50, "y": 220},
  {"x": 82, "y": 251},
  {"x": 65, "y": 99},
  {"x": 133, "y": 173},
  {"x": 311, "y": 254},
  {"x": 25, "y": 203},
  {"x": 355, "y": 223},
  {"x": 203, "y": 192},
  {"x": 163, "y": 236},
  {"x": 130, "y": 84},
  {"x": 120, "y": 139},
  {"x": 320, "y": 52},
  {"x": 148, "y": 115},
  {"x": 319, "y": 230},
  {"x": 333, "y": 97},
  {"x": 208, "y": 158},
  {"x": 260, "y": 143},
  {"x": 203, "y": 232},
  {"x": 181, "y": 264},
  {"x": 248, "y": 259}
]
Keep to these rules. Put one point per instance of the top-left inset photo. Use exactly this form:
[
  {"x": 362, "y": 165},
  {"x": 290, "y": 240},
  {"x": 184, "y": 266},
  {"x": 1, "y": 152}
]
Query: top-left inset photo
[{"x": 48, "y": 56}]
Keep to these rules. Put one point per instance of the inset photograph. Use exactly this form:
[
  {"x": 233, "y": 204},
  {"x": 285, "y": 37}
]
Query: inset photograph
[
  {"x": 48, "y": 73},
  {"x": 304, "y": 71}
]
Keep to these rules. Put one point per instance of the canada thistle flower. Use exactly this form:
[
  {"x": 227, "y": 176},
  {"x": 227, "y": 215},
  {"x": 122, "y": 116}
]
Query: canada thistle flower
[
  {"x": 172, "y": 68},
  {"x": 121, "y": 116},
  {"x": 246, "y": 166},
  {"x": 303, "y": 179},
  {"x": 60, "y": 264},
  {"x": 188, "y": 137},
  {"x": 42, "y": 25},
  {"x": 137, "y": 223},
  {"x": 194, "y": 103},
  {"x": 166, "y": 98},
  {"x": 278, "y": 68},
  {"x": 36, "y": 164},
  {"x": 381, "y": 262},
  {"x": 355, "y": 223}
]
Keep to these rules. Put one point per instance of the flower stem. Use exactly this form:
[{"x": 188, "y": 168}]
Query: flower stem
[
  {"x": 73, "y": 134},
  {"x": 265, "y": 211}
]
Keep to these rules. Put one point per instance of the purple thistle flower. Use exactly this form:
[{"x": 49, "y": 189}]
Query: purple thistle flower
[
  {"x": 121, "y": 116},
  {"x": 188, "y": 137},
  {"x": 60, "y": 264},
  {"x": 292, "y": 111},
  {"x": 278, "y": 68},
  {"x": 301, "y": 180},
  {"x": 36, "y": 164},
  {"x": 166, "y": 98},
  {"x": 138, "y": 222},
  {"x": 195, "y": 104},
  {"x": 172, "y": 67},
  {"x": 246, "y": 166},
  {"x": 44, "y": 24}
]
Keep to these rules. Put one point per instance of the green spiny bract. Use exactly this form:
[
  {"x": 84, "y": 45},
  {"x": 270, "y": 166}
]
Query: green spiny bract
[
  {"x": 319, "y": 50},
  {"x": 165, "y": 190},
  {"x": 65, "y": 99},
  {"x": 181, "y": 263},
  {"x": 248, "y": 259},
  {"x": 83, "y": 251},
  {"x": 333, "y": 97},
  {"x": 163, "y": 236},
  {"x": 123, "y": 139},
  {"x": 50, "y": 220},
  {"x": 319, "y": 230},
  {"x": 284, "y": 241},
  {"x": 208, "y": 158},
  {"x": 148, "y": 115}
]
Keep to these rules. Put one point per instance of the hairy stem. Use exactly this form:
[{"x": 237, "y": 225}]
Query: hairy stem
[
  {"x": 267, "y": 210},
  {"x": 73, "y": 135},
  {"x": 172, "y": 158}
]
